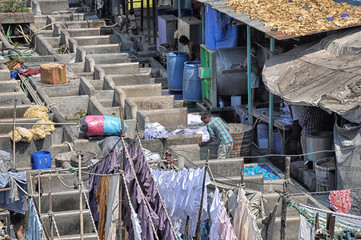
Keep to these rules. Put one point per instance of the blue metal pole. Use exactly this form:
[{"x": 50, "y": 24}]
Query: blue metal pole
[
  {"x": 270, "y": 112},
  {"x": 249, "y": 90},
  {"x": 203, "y": 22}
]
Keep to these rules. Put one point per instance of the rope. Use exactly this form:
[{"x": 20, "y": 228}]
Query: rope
[
  {"x": 140, "y": 190},
  {"x": 91, "y": 215},
  {"x": 160, "y": 197},
  {"x": 62, "y": 182},
  {"x": 56, "y": 227}
]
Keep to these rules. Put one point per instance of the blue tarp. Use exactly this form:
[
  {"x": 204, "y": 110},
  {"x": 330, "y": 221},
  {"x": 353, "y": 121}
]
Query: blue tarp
[
  {"x": 219, "y": 31},
  {"x": 260, "y": 170}
]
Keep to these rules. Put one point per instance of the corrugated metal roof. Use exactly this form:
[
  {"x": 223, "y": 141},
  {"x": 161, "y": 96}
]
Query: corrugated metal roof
[{"x": 221, "y": 6}]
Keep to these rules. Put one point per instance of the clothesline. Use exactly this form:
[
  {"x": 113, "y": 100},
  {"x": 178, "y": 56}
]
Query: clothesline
[{"x": 309, "y": 216}]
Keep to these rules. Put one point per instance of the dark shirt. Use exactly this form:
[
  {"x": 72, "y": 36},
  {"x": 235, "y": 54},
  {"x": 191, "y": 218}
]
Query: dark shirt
[
  {"x": 312, "y": 119},
  {"x": 194, "y": 51},
  {"x": 254, "y": 64}
]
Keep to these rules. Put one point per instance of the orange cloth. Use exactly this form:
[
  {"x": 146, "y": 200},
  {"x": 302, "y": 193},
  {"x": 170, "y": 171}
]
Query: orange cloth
[{"x": 102, "y": 195}]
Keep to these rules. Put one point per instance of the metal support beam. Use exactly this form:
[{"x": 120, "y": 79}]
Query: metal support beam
[
  {"x": 203, "y": 22},
  {"x": 249, "y": 90},
  {"x": 270, "y": 112},
  {"x": 179, "y": 9}
]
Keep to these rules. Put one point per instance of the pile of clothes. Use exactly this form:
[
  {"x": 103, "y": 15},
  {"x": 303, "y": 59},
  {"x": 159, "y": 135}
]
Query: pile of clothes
[{"x": 156, "y": 130}]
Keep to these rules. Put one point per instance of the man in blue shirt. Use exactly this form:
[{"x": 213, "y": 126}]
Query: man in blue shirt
[{"x": 218, "y": 130}]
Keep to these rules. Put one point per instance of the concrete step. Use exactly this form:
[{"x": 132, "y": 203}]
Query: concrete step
[
  {"x": 84, "y": 32},
  {"x": 97, "y": 83},
  {"x": 88, "y": 236},
  {"x": 68, "y": 222},
  {"x": 102, "y": 48},
  {"x": 221, "y": 167},
  {"x": 106, "y": 103},
  {"x": 105, "y": 95},
  {"x": 110, "y": 58},
  {"x": 90, "y": 40},
  {"x": 58, "y": 199},
  {"x": 272, "y": 199},
  {"x": 53, "y": 41},
  {"x": 9, "y": 86},
  {"x": 51, "y": 183},
  {"x": 293, "y": 224},
  {"x": 113, "y": 111}
]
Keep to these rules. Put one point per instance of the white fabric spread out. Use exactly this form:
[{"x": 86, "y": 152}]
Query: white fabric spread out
[{"x": 181, "y": 192}]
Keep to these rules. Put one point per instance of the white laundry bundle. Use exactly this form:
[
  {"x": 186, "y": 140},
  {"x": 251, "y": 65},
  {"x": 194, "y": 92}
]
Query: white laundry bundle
[
  {"x": 181, "y": 192},
  {"x": 194, "y": 120},
  {"x": 152, "y": 130}
]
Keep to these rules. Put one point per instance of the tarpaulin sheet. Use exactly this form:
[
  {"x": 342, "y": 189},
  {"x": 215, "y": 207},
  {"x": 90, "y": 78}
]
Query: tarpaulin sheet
[
  {"x": 326, "y": 74},
  {"x": 347, "y": 140},
  {"x": 219, "y": 29}
]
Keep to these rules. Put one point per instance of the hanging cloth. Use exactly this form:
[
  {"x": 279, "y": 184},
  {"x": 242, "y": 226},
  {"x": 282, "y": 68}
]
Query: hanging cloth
[{"x": 35, "y": 229}]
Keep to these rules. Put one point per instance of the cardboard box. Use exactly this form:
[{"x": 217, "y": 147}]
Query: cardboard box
[{"x": 53, "y": 73}]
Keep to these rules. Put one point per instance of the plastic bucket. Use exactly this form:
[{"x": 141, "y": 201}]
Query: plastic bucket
[
  {"x": 192, "y": 84},
  {"x": 242, "y": 139},
  {"x": 262, "y": 131},
  {"x": 278, "y": 143},
  {"x": 41, "y": 160},
  {"x": 175, "y": 67},
  {"x": 325, "y": 174},
  {"x": 236, "y": 101}
]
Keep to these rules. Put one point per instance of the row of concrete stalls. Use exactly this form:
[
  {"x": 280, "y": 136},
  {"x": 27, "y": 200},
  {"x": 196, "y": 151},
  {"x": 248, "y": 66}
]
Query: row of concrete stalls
[{"x": 293, "y": 83}]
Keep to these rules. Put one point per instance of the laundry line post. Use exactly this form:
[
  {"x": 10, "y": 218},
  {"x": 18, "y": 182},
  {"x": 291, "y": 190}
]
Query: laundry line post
[
  {"x": 284, "y": 198},
  {"x": 14, "y": 126},
  {"x": 121, "y": 115},
  {"x": 198, "y": 231},
  {"x": 51, "y": 215},
  {"x": 80, "y": 184},
  {"x": 242, "y": 174},
  {"x": 330, "y": 226}
]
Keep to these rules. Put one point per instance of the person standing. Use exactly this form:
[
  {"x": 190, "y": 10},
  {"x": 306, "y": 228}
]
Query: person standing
[
  {"x": 311, "y": 121},
  {"x": 218, "y": 130},
  {"x": 254, "y": 72},
  {"x": 194, "y": 48}
]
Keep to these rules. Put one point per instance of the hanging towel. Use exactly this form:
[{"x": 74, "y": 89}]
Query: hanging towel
[
  {"x": 340, "y": 200},
  {"x": 35, "y": 229}
]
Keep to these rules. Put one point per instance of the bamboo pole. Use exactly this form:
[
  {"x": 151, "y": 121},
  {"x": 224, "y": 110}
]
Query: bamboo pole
[
  {"x": 202, "y": 198},
  {"x": 14, "y": 126},
  {"x": 120, "y": 176},
  {"x": 284, "y": 198},
  {"x": 81, "y": 199},
  {"x": 51, "y": 214},
  {"x": 242, "y": 173}
]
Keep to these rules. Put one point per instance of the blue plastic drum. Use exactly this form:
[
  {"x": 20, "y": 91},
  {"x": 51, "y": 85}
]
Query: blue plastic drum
[
  {"x": 175, "y": 67},
  {"x": 192, "y": 84}
]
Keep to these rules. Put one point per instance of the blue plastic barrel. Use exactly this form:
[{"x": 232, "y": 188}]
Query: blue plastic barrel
[
  {"x": 41, "y": 160},
  {"x": 192, "y": 84},
  {"x": 262, "y": 130},
  {"x": 175, "y": 66},
  {"x": 277, "y": 142}
]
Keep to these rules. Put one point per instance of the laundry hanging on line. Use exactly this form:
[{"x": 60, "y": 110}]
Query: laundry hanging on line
[
  {"x": 15, "y": 199},
  {"x": 221, "y": 228},
  {"x": 35, "y": 231},
  {"x": 181, "y": 192},
  {"x": 148, "y": 207},
  {"x": 340, "y": 200}
]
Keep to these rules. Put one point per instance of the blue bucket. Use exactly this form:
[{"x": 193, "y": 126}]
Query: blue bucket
[
  {"x": 278, "y": 143},
  {"x": 175, "y": 67},
  {"x": 262, "y": 130},
  {"x": 192, "y": 84},
  {"x": 41, "y": 160}
]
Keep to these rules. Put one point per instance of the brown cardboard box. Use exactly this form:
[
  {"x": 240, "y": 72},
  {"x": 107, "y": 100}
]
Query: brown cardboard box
[{"x": 53, "y": 73}]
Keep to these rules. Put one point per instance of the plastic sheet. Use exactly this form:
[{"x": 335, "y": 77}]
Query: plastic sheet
[
  {"x": 108, "y": 143},
  {"x": 260, "y": 170},
  {"x": 219, "y": 29}
]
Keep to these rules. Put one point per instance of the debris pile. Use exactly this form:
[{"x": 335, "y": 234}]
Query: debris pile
[{"x": 297, "y": 17}]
